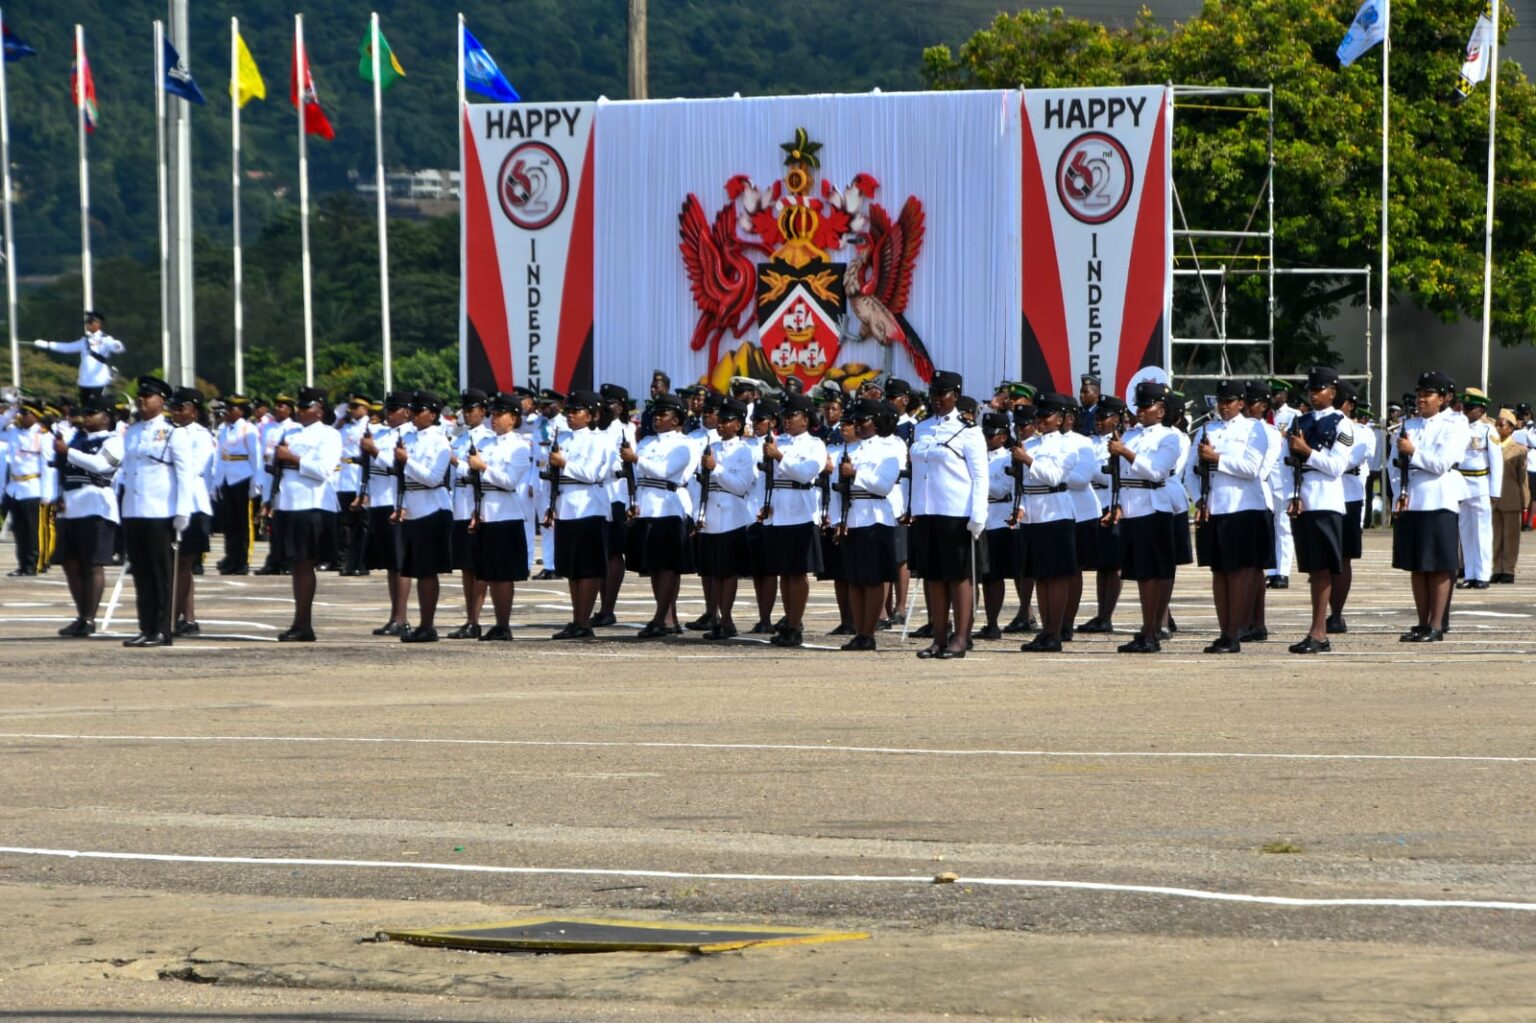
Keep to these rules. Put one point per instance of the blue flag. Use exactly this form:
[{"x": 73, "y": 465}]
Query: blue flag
[
  {"x": 16, "y": 47},
  {"x": 178, "y": 80},
  {"x": 1368, "y": 29},
  {"x": 482, "y": 75}
]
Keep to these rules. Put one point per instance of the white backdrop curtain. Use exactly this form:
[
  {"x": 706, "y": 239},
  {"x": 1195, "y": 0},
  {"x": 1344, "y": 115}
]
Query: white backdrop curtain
[{"x": 957, "y": 152}]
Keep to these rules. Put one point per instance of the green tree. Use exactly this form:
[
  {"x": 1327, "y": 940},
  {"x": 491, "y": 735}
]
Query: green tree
[{"x": 1327, "y": 147}]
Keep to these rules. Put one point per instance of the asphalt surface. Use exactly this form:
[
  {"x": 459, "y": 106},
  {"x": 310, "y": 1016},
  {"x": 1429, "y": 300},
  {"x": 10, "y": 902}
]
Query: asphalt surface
[{"x": 365, "y": 784}]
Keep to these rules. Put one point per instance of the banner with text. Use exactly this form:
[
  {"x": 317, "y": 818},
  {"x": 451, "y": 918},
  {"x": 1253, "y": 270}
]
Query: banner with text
[
  {"x": 1098, "y": 249},
  {"x": 526, "y": 282}
]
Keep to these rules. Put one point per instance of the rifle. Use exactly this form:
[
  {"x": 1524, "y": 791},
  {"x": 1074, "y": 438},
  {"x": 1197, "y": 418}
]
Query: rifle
[
  {"x": 477, "y": 484},
  {"x": 1203, "y": 514},
  {"x": 365, "y": 464},
  {"x": 768, "y": 463},
  {"x": 704, "y": 475},
  {"x": 824, "y": 484},
  {"x": 1402, "y": 462},
  {"x": 845, "y": 489},
  {"x": 1294, "y": 508},
  {"x": 1114, "y": 480},
  {"x": 553, "y": 475},
  {"x": 276, "y": 469},
  {"x": 628, "y": 470},
  {"x": 1016, "y": 470},
  {"x": 397, "y": 470},
  {"x": 906, "y": 474}
]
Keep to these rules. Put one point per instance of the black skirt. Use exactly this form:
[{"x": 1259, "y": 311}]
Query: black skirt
[
  {"x": 1050, "y": 549},
  {"x": 304, "y": 536},
  {"x": 868, "y": 555},
  {"x": 88, "y": 540},
  {"x": 1087, "y": 539},
  {"x": 384, "y": 545},
  {"x": 658, "y": 545},
  {"x": 1108, "y": 541},
  {"x": 463, "y": 544},
  {"x": 1146, "y": 547},
  {"x": 618, "y": 526},
  {"x": 1354, "y": 542},
  {"x": 1319, "y": 541},
  {"x": 500, "y": 551},
  {"x": 1004, "y": 550},
  {"x": 1183, "y": 552},
  {"x": 427, "y": 545},
  {"x": 1426, "y": 541},
  {"x": 941, "y": 548},
  {"x": 792, "y": 550},
  {"x": 903, "y": 543},
  {"x": 757, "y": 549},
  {"x": 831, "y": 557},
  {"x": 194, "y": 539},
  {"x": 581, "y": 547},
  {"x": 724, "y": 555},
  {"x": 1235, "y": 541}
]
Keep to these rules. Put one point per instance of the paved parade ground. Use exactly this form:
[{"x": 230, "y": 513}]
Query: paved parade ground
[{"x": 1346, "y": 837}]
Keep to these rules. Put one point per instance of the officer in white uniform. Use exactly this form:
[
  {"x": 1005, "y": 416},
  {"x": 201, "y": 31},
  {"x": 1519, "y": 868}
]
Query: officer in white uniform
[
  {"x": 237, "y": 482},
  {"x": 507, "y": 478},
  {"x": 473, "y": 433},
  {"x": 272, "y": 434},
  {"x": 305, "y": 523},
  {"x": 384, "y": 547},
  {"x": 1322, "y": 443},
  {"x": 1428, "y": 448},
  {"x": 352, "y": 537},
  {"x": 1355, "y": 495},
  {"x": 658, "y": 543},
  {"x": 613, "y": 420},
  {"x": 88, "y": 524},
  {"x": 426, "y": 510},
  {"x": 159, "y": 488},
  {"x": 867, "y": 533},
  {"x": 29, "y": 484},
  {"x": 791, "y": 544},
  {"x": 186, "y": 411},
  {"x": 1148, "y": 453},
  {"x": 96, "y": 350},
  {"x": 1484, "y": 474},
  {"x": 724, "y": 553}
]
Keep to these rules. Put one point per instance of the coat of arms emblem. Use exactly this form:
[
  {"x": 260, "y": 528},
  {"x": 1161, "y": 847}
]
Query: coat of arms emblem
[{"x": 770, "y": 259}]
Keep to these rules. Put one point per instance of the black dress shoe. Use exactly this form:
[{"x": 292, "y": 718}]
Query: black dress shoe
[
  {"x": 653, "y": 631},
  {"x": 884, "y": 625},
  {"x": 761, "y": 629},
  {"x": 990, "y": 632},
  {"x": 1462, "y": 584},
  {"x": 603, "y": 619},
  {"x": 267, "y": 570},
  {"x": 238, "y": 570},
  {"x": 788, "y": 637},
  {"x": 842, "y": 630},
  {"x": 186, "y": 628},
  {"x": 73, "y": 629},
  {"x": 1336, "y": 625},
  {"x": 393, "y": 629},
  {"x": 197, "y": 569},
  {"x": 1164, "y": 634},
  {"x": 420, "y": 634},
  {"x": 1253, "y": 634},
  {"x": 1022, "y": 622},
  {"x": 702, "y": 624},
  {"x": 928, "y": 652},
  {"x": 296, "y": 635},
  {"x": 721, "y": 632},
  {"x": 1411, "y": 635},
  {"x": 1279, "y": 582},
  {"x": 1224, "y": 646},
  {"x": 573, "y": 631},
  {"x": 21, "y": 572},
  {"x": 545, "y": 576},
  {"x": 947, "y": 654},
  {"x": 1096, "y": 625},
  {"x": 1042, "y": 644},
  {"x": 898, "y": 618},
  {"x": 1066, "y": 633},
  {"x": 922, "y": 631},
  {"x": 1140, "y": 645},
  {"x": 674, "y": 630},
  {"x": 151, "y": 639},
  {"x": 496, "y": 634},
  {"x": 1477, "y": 584},
  {"x": 1428, "y": 636},
  {"x": 859, "y": 643},
  {"x": 465, "y": 631},
  {"x": 1309, "y": 645}
]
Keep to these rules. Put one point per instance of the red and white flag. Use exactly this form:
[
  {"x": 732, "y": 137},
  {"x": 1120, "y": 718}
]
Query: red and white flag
[{"x": 315, "y": 121}]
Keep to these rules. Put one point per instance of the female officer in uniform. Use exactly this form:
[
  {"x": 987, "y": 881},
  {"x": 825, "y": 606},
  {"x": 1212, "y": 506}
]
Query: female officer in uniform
[
  {"x": 508, "y": 479},
  {"x": 949, "y": 513},
  {"x": 581, "y": 468},
  {"x": 1428, "y": 448},
  {"x": 657, "y": 545}
]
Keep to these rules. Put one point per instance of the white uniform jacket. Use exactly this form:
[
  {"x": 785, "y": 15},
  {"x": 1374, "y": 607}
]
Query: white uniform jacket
[
  {"x": 311, "y": 485},
  {"x": 1144, "y": 480},
  {"x": 157, "y": 474},
  {"x": 731, "y": 484},
  {"x": 795, "y": 500},
  {"x": 949, "y": 469},
  {"x": 664, "y": 464},
  {"x": 239, "y": 456},
  {"x": 877, "y": 469},
  {"x": 510, "y": 479}
]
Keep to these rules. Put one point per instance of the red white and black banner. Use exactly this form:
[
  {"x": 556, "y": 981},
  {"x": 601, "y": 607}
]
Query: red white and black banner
[
  {"x": 1097, "y": 246},
  {"x": 526, "y": 282}
]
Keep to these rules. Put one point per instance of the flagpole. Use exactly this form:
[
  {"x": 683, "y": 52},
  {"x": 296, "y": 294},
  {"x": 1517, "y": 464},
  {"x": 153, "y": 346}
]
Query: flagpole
[
  {"x": 160, "y": 184},
  {"x": 309, "y": 309},
  {"x": 1386, "y": 94},
  {"x": 10, "y": 246},
  {"x": 234, "y": 182},
  {"x": 85, "y": 177},
  {"x": 378, "y": 178},
  {"x": 1493, "y": 111},
  {"x": 463, "y": 117}
]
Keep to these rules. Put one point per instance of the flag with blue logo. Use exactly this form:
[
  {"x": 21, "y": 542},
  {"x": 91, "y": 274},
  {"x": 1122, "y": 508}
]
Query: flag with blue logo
[
  {"x": 1368, "y": 29},
  {"x": 482, "y": 75},
  {"x": 16, "y": 47},
  {"x": 178, "y": 80}
]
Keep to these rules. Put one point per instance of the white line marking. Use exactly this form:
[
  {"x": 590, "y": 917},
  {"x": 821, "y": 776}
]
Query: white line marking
[
  {"x": 784, "y": 747},
  {"x": 994, "y": 882}
]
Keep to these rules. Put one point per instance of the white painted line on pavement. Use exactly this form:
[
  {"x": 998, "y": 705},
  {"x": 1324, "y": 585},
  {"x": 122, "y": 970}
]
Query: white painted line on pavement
[
  {"x": 680, "y": 875},
  {"x": 784, "y": 748}
]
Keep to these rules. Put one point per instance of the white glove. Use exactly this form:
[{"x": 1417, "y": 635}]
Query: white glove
[
  {"x": 181, "y": 522},
  {"x": 40, "y": 343},
  {"x": 977, "y": 528}
]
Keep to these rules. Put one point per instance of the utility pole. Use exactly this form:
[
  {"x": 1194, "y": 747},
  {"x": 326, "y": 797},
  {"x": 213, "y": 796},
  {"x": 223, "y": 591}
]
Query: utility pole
[
  {"x": 639, "y": 87},
  {"x": 182, "y": 370}
]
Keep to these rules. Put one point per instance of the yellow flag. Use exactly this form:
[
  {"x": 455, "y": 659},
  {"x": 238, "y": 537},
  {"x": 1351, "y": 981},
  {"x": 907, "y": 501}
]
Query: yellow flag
[{"x": 247, "y": 84}]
